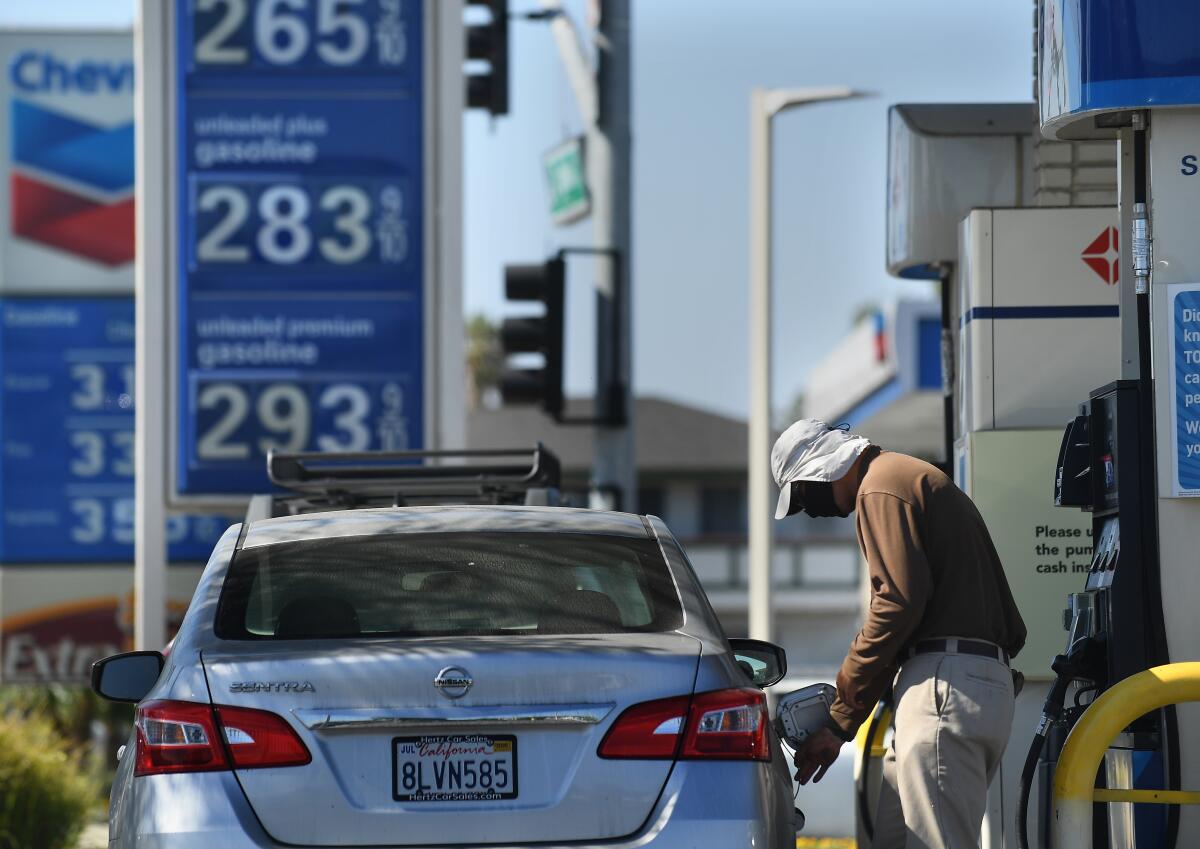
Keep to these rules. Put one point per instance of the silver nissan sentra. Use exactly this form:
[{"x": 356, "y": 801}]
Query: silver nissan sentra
[{"x": 432, "y": 676}]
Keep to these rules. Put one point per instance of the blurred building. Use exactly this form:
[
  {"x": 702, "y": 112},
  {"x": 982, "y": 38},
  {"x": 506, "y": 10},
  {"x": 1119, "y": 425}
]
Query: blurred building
[{"x": 692, "y": 473}]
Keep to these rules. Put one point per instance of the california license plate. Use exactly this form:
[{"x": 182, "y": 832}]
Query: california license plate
[{"x": 454, "y": 768}]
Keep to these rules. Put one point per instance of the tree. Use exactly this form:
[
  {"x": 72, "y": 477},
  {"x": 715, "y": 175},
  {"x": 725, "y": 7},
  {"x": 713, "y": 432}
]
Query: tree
[{"x": 485, "y": 359}]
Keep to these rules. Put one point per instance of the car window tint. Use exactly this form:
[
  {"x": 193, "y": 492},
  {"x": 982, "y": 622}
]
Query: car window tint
[{"x": 424, "y": 585}]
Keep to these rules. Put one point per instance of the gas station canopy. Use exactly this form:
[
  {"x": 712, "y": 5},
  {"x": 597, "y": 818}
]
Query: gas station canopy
[{"x": 1098, "y": 58}]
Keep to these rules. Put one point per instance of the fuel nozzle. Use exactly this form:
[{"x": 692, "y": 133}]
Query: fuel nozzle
[
  {"x": 1052, "y": 708},
  {"x": 1083, "y": 661}
]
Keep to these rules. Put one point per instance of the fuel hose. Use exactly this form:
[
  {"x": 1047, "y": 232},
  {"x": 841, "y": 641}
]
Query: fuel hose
[
  {"x": 1051, "y": 710},
  {"x": 1027, "y": 776}
]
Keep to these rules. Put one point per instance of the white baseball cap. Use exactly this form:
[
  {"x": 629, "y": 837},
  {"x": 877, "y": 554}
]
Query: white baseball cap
[{"x": 811, "y": 450}]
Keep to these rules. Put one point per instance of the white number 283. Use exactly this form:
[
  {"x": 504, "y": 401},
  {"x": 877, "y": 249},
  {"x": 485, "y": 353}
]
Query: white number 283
[{"x": 283, "y": 235}]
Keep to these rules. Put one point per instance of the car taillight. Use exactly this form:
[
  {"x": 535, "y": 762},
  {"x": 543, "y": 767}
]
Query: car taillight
[
  {"x": 187, "y": 737},
  {"x": 723, "y": 724},
  {"x": 259, "y": 738},
  {"x": 177, "y": 737},
  {"x": 727, "y": 724},
  {"x": 648, "y": 730}
]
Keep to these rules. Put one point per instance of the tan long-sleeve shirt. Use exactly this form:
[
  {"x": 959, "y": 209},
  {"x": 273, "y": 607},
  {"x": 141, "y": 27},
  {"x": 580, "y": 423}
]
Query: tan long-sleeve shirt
[{"x": 934, "y": 572}]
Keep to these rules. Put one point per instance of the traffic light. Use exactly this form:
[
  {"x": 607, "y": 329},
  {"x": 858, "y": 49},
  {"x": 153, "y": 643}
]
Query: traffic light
[
  {"x": 489, "y": 42},
  {"x": 535, "y": 335}
]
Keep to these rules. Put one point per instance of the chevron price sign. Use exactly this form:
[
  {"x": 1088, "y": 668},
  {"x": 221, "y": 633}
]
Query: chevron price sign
[
  {"x": 66, "y": 162},
  {"x": 300, "y": 202}
]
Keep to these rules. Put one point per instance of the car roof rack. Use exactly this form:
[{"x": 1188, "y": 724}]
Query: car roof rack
[{"x": 319, "y": 481}]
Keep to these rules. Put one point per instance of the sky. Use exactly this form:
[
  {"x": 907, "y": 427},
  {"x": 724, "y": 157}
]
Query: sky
[{"x": 694, "y": 65}]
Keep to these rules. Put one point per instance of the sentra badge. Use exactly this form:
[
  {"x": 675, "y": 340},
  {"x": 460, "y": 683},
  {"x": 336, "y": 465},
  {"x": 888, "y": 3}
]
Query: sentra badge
[{"x": 272, "y": 687}]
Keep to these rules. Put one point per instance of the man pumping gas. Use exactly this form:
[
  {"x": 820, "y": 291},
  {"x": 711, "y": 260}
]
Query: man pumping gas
[{"x": 941, "y": 627}]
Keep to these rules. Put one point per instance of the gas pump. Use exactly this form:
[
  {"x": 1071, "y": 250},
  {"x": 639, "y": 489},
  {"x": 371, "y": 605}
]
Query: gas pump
[
  {"x": 1121, "y": 593},
  {"x": 1114, "y": 624},
  {"x": 1130, "y": 70}
]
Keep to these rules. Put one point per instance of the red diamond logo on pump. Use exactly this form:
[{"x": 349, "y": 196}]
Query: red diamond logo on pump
[{"x": 1102, "y": 257}]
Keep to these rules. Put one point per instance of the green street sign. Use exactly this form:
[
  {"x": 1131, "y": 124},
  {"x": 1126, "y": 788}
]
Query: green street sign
[{"x": 566, "y": 183}]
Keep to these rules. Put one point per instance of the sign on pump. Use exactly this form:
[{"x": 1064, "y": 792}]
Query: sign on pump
[{"x": 1185, "y": 380}]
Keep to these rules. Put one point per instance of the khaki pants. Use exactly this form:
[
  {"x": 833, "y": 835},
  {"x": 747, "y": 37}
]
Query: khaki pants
[{"x": 952, "y": 719}]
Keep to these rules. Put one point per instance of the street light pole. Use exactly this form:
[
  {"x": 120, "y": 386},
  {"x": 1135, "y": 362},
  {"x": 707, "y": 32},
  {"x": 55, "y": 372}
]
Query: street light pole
[{"x": 765, "y": 104}]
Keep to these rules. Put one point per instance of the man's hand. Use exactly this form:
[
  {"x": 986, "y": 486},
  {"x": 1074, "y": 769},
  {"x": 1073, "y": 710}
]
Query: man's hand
[{"x": 816, "y": 755}]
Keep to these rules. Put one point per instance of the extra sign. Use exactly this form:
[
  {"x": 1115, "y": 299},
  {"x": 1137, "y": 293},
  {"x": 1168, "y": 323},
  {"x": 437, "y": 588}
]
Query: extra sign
[
  {"x": 299, "y": 320},
  {"x": 55, "y": 621}
]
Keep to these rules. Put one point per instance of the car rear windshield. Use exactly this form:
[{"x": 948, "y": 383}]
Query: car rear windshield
[{"x": 426, "y": 585}]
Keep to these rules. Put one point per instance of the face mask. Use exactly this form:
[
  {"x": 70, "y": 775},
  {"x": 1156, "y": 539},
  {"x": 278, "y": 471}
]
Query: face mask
[{"x": 819, "y": 501}]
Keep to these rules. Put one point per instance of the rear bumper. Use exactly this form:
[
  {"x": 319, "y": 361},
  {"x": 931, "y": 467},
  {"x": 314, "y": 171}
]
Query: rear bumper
[{"x": 731, "y": 805}]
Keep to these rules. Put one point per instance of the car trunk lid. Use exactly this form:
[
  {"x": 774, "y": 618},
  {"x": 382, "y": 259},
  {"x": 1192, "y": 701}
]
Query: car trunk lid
[{"x": 383, "y": 736}]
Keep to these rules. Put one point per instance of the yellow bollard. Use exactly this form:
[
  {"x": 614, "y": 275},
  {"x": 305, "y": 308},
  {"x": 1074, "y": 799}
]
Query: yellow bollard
[
  {"x": 1104, "y": 719},
  {"x": 866, "y": 751}
]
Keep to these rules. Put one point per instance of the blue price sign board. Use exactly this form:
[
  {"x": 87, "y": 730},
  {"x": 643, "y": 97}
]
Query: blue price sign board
[
  {"x": 66, "y": 432},
  {"x": 1185, "y": 380},
  {"x": 300, "y": 306}
]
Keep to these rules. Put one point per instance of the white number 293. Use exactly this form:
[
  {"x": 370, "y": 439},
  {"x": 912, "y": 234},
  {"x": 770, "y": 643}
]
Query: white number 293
[{"x": 281, "y": 410}]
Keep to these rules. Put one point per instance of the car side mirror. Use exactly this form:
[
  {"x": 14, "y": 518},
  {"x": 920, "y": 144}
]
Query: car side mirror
[
  {"x": 764, "y": 663},
  {"x": 127, "y": 677}
]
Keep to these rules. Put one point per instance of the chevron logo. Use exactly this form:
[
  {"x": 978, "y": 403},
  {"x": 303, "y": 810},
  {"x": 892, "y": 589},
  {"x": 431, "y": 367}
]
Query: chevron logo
[
  {"x": 1103, "y": 257},
  {"x": 71, "y": 186}
]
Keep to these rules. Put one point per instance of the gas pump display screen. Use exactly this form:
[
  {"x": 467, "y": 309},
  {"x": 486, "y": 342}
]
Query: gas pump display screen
[{"x": 1104, "y": 438}]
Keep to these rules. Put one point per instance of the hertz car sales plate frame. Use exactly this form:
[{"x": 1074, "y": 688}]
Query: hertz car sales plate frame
[{"x": 450, "y": 767}]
